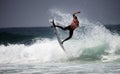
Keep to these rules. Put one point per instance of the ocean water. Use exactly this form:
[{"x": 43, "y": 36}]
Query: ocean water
[{"x": 93, "y": 49}]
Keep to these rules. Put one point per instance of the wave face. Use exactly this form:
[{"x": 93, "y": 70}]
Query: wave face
[
  {"x": 90, "y": 42},
  {"x": 24, "y": 35}
]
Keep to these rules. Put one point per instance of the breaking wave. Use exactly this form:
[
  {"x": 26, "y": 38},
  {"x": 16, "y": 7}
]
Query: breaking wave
[{"x": 91, "y": 42}]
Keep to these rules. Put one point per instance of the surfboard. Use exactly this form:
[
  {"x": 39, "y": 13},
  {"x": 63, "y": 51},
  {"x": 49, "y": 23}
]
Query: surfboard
[{"x": 57, "y": 35}]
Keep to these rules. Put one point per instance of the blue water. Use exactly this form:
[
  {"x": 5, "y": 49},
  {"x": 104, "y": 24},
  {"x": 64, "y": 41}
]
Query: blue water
[{"x": 23, "y": 35}]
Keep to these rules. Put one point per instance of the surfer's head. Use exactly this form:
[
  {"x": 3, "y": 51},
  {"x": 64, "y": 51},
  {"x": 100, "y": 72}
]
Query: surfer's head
[{"x": 75, "y": 17}]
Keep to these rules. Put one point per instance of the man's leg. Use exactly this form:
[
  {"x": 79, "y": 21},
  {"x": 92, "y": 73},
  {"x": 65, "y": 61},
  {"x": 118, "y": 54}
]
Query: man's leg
[
  {"x": 63, "y": 28},
  {"x": 70, "y": 35}
]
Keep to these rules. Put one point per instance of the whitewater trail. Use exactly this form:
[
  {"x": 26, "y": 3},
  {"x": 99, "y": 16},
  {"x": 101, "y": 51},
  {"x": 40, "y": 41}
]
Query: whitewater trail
[
  {"x": 91, "y": 41},
  {"x": 39, "y": 52}
]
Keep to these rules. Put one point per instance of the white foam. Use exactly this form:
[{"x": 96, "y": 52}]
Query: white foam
[{"x": 41, "y": 51}]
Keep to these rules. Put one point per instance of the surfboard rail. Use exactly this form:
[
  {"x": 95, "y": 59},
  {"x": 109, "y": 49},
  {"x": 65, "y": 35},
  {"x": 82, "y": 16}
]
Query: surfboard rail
[{"x": 57, "y": 35}]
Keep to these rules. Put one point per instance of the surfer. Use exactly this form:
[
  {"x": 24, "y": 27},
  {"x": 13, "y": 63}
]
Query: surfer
[{"x": 71, "y": 27}]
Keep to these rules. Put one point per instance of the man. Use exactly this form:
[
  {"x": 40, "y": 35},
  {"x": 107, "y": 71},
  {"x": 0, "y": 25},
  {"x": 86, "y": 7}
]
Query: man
[{"x": 71, "y": 27}]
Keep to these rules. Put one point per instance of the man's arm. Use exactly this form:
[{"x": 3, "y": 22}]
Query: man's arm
[{"x": 76, "y": 13}]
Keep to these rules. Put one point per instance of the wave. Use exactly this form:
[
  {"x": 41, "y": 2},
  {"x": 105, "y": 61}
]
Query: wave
[
  {"x": 10, "y": 38},
  {"x": 91, "y": 42},
  {"x": 24, "y": 35},
  {"x": 41, "y": 51},
  {"x": 48, "y": 50}
]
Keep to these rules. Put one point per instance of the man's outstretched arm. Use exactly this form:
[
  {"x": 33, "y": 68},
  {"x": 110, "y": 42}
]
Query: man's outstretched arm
[{"x": 76, "y": 13}]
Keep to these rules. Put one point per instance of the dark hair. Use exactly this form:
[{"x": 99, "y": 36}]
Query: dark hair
[{"x": 75, "y": 17}]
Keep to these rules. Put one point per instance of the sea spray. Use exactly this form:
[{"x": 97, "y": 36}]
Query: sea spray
[{"x": 90, "y": 36}]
